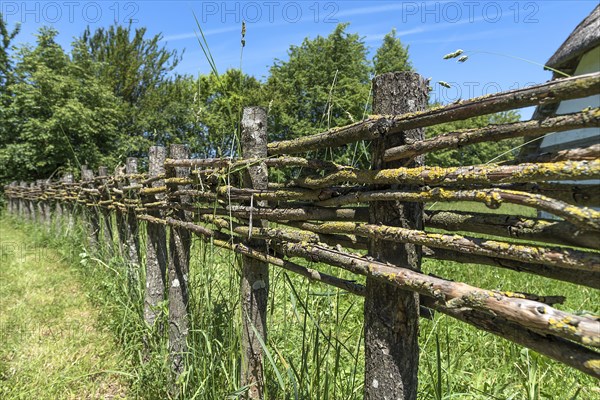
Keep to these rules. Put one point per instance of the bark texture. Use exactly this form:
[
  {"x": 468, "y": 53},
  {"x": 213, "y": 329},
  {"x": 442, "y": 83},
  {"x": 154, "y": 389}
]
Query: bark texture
[
  {"x": 132, "y": 234},
  {"x": 92, "y": 219},
  {"x": 392, "y": 314},
  {"x": 105, "y": 215},
  {"x": 255, "y": 272},
  {"x": 156, "y": 244},
  {"x": 178, "y": 270}
]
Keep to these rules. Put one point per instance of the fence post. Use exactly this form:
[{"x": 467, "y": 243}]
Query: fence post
[
  {"x": 58, "y": 208},
  {"x": 120, "y": 215},
  {"x": 391, "y": 314},
  {"x": 255, "y": 274},
  {"x": 47, "y": 205},
  {"x": 11, "y": 200},
  {"x": 69, "y": 206},
  {"x": 39, "y": 190},
  {"x": 178, "y": 268},
  {"x": 23, "y": 208},
  {"x": 22, "y": 202},
  {"x": 132, "y": 238},
  {"x": 31, "y": 203},
  {"x": 42, "y": 202},
  {"x": 156, "y": 242},
  {"x": 105, "y": 222},
  {"x": 91, "y": 214}
]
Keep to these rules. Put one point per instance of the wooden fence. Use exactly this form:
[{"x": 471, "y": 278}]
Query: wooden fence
[{"x": 329, "y": 210}]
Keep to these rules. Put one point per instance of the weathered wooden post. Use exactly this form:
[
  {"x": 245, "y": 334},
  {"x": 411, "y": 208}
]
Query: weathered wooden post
[
  {"x": 39, "y": 202},
  {"x": 120, "y": 215},
  {"x": 22, "y": 201},
  {"x": 131, "y": 222},
  {"x": 58, "y": 207},
  {"x": 255, "y": 274},
  {"x": 105, "y": 217},
  {"x": 12, "y": 209},
  {"x": 69, "y": 206},
  {"x": 16, "y": 204},
  {"x": 47, "y": 204},
  {"x": 91, "y": 215},
  {"x": 131, "y": 226},
  {"x": 7, "y": 196},
  {"x": 156, "y": 242},
  {"x": 392, "y": 315},
  {"x": 22, "y": 206},
  {"x": 178, "y": 267},
  {"x": 31, "y": 203}
]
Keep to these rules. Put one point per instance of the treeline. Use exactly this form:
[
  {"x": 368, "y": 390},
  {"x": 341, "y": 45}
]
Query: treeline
[{"x": 115, "y": 93}]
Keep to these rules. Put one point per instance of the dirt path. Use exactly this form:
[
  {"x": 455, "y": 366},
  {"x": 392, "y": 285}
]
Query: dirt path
[{"x": 51, "y": 346}]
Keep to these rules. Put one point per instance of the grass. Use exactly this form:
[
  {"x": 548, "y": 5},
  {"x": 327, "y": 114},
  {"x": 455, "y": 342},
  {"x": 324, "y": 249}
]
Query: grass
[
  {"x": 314, "y": 347},
  {"x": 51, "y": 344}
]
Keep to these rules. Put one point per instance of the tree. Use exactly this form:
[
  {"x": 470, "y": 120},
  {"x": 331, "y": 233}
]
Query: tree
[
  {"x": 6, "y": 79},
  {"x": 137, "y": 70},
  {"x": 219, "y": 103},
  {"x": 6, "y": 39},
  {"x": 324, "y": 83},
  {"x": 131, "y": 64},
  {"x": 391, "y": 56},
  {"x": 61, "y": 114},
  {"x": 170, "y": 115}
]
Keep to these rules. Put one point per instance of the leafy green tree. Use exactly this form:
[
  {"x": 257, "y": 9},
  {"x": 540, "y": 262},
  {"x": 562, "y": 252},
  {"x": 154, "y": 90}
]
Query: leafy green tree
[
  {"x": 137, "y": 70},
  {"x": 169, "y": 115},
  {"x": 131, "y": 64},
  {"x": 6, "y": 38},
  {"x": 6, "y": 79},
  {"x": 324, "y": 83},
  {"x": 392, "y": 55},
  {"x": 62, "y": 115},
  {"x": 218, "y": 105}
]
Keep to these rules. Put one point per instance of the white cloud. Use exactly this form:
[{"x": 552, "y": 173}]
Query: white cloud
[
  {"x": 208, "y": 32},
  {"x": 425, "y": 28}
]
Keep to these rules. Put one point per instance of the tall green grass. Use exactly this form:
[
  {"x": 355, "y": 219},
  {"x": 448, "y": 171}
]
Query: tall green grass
[{"x": 314, "y": 346}]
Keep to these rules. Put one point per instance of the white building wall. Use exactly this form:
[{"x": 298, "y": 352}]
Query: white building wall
[{"x": 589, "y": 63}]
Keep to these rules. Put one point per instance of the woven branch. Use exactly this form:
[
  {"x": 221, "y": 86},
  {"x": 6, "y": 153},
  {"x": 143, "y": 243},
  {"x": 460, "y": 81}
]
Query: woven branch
[
  {"x": 233, "y": 164},
  {"x": 527, "y": 313},
  {"x": 558, "y": 257},
  {"x": 309, "y": 273},
  {"x": 477, "y": 174},
  {"x": 564, "y": 351},
  {"x": 514, "y": 226},
  {"x": 454, "y": 140},
  {"x": 581, "y": 153},
  {"x": 296, "y": 213},
  {"x": 279, "y": 233},
  {"x": 583, "y": 217},
  {"x": 452, "y": 295},
  {"x": 579, "y": 193},
  {"x": 379, "y": 126},
  {"x": 578, "y": 277}
]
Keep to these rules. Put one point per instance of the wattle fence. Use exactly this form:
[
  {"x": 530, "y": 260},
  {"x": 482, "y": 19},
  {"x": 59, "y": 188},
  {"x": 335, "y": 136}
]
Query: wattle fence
[{"x": 369, "y": 222}]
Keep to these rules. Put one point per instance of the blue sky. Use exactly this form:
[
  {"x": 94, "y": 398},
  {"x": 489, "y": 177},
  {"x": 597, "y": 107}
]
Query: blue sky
[{"x": 525, "y": 29}]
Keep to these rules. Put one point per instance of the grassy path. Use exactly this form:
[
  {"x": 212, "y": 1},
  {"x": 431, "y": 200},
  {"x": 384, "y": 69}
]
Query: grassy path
[{"x": 51, "y": 346}]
